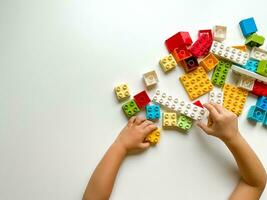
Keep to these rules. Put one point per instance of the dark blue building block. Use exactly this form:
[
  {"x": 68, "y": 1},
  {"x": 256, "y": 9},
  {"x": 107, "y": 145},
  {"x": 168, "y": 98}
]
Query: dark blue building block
[
  {"x": 262, "y": 103},
  {"x": 248, "y": 26},
  {"x": 252, "y": 65},
  {"x": 152, "y": 112},
  {"x": 265, "y": 121},
  {"x": 256, "y": 114}
]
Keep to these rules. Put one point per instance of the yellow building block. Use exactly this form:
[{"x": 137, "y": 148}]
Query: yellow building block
[
  {"x": 168, "y": 63},
  {"x": 153, "y": 137},
  {"x": 169, "y": 120},
  {"x": 122, "y": 92},
  {"x": 234, "y": 98},
  {"x": 241, "y": 48},
  {"x": 196, "y": 83},
  {"x": 209, "y": 62}
]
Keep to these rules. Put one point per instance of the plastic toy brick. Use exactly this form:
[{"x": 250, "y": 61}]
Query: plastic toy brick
[
  {"x": 142, "y": 99},
  {"x": 196, "y": 83},
  {"x": 150, "y": 79},
  {"x": 265, "y": 121},
  {"x": 153, "y": 112},
  {"x": 234, "y": 98},
  {"x": 177, "y": 40},
  {"x": 242, "y": 71},
  {"x": 228, "y": 53},
  {"x": 257, "y": 114},
  {"x": 246, "y": 83},
  {"x": 258, "y": 54},
  {"x": 252, "y": 65},
  {"x": 202, "y": 46},
  {"x": 184, "y": 123},
  {"x": 153, "y": 137},
  {"x": 259, "y": 89},
  {"x": 220, "y": 73},
  {"x": 248, "y": 26},
  {"x": 181, "y": 53},
  {"x": 190, "y": 64},
  {"x": 255, "y": 40},
  {"x": 219, "y": 33},
  {"x": 241, "y": 48},
  {"x": 169, "y": 120},
  {"x": 216, "y": 97},
  {"x": 130, "y": 108},
  {"x": 262, "y": 102},
  {"x": 206, "y": 32},
  {"x": 209, "y": 62},
  {"x": 198, "y": 103},
  {"x": 168, "y": 63},
  {"x": 262, "y": 68},
  {"x": 122, "y": 92}
]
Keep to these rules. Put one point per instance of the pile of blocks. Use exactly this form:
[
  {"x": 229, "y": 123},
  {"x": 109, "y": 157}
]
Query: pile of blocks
[{"x": 197, "y": 59}]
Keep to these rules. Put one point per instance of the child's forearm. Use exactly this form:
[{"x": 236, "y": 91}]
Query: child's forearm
[{"x": 102, "y": 181}]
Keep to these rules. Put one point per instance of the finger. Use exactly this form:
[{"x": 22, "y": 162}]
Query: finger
[
  {"x": 146, "y": 123},
  {"x": 131, "y": 121},
  {"x": 212, "y": 110},
  {"x": 139, "y": 120},
  {"x": 218, "y": 107},
  {"x": 144, "y": 145},
  {"x": 205, "y": 128},
  {"x": 149, "y": 129}
]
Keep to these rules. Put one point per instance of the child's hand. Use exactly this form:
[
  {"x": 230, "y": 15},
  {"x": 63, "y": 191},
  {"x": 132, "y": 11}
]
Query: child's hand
[
  {"x": 133, "y": 134},
  {"x": 224, "y": 125}
]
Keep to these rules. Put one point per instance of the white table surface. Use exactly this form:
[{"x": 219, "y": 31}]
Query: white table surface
[{"x": 59, "y": 62}]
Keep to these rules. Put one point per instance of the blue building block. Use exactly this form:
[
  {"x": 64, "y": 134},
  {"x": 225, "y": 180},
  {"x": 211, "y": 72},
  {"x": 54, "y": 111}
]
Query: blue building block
[
  {"x": 257, "y": 114},
  {"x": 248, "y": 26},
  {"x": 252, "y": 65},
  {"x": 262, "y": 103},
  {"x": 265, "y": 121},
  {"x": 152, "y": 112}
]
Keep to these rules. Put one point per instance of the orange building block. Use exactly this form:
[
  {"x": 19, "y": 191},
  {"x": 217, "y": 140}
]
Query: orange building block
[
  {"x": 241, "y": 48},
  {"x": 209, "y": 62}
]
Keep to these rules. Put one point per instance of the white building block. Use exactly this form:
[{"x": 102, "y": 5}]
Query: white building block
[
  {"x": 242, "y": 71},
  {"x": 150, "y": 79},
  {"x": 216, "y": 97},
  {"x": 246, "y": 82},
  {"x": 219, "y": 33},
  {"x": 258, "y": 54}
]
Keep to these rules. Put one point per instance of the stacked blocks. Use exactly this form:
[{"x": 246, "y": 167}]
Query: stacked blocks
[
  {"x": 262, "y": 68},
  {"x": 122, "y": 92},
  {"x": 262, "y": 102},
  {"x": 169, "y": 120},
  {"x": 220, "y": 73},
  {"x": 255, "y": 40},
  {"x": 248, "y": 26},
  {"x": 196, "y": 83},
  {"x": 219, "y": 33},
  {"x": 168, "y": 63},
  {"x": 184, "y": 123},
  {"x": 252, "y": 65},
  {"x": 153, "y": 112},
  {"x": 154, "y": 137},
  {"x": 177, "y": 40},
  {"x": 258, "y": 54},
  {"x": 246, "y": 83},
  {"x": 190, "y": 64},
  {"x": 181, "y": 53},
  {"x": 130, "y": 108},
  {"x": 142, "y": 99},
  {"x": 209, "y": 62},
  {"x": 150, "y": 79},
  {"x": 257, "y": 114}
]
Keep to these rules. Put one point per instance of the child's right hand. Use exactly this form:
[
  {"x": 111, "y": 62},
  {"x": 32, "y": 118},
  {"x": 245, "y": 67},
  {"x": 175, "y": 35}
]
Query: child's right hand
[{"x": 225, "y": 124}]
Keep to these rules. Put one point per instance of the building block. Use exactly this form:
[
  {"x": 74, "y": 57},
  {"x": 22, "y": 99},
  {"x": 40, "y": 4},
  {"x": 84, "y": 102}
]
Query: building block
[
  {"x": 228, "y": 53},
  {"x": 169, "y": 120},
  {"x": 202, "y": 46},
  {"x": 154, "y": 137},
  {"x": 259, "y": 89},
  {"x": 122, "y": 92},
  {"x": 234, "y": 98},
  {"x": 219, "y": 33},
  {"x": 181, "y": 53},
  {"x": 152, "y": 112},
  {"x": 255, "y": 40},
  {"x": 189, "y": 64},
  {"x": 256, "y": 113},
  {"x": 130, "y": 108},
  {"x": 242, "y": 71},
  {"x": 251, "y": 65},
  {"x": 216, "y": 97},
  {"x": 246, "y": 83},
  {"x": 209, "y": 62},
  {"x": 262, "y": 68},
  {"x": 258, "y": 54},
  {"x": 220, "y": 73},
  {"x": 241, "y": 48},
  {"x": 141, "y": 99},
  {"x": 198, "y": 103},
  {"x": 248, "y": 26},
  {"x": 177, "y": 40},
  {"x": 168, "y": 63},
  {"x": 265, "y": 121},
  {"x": 150, "y": 79},
  {"x": 206, "y": 32},
  {"x": 196, "y": 83},
  {"x": 184, "y": 123},
  {"x": 262, "y": 102}
]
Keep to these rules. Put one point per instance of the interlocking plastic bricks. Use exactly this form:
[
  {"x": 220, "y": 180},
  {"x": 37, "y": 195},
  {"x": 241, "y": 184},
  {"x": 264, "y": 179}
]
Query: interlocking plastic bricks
[
  {"x": 246, "y": 83},
  {"x": 196, "y": 83},
  {"x": 220, "y": 73},
  {"x": 206, "y": 32},
  {"x": 209, "y": 62},
  {"x": 256, "y": 113},
  {"x": 252, "y": 65},
  {"x": 258, "y": 54},
  {"x": 122, "y": 92},
  {"x": 255, "y": 40},
  {"x": 228, "y": 53},
  {"x": 262, "y": 102},
  {"x": 169, "y": 119},
  {"x": 234, "y": 98},
  {"x": 130, "y": 108},
  {"x": 202, "y": 46},
  {"x": 262, "y": 68},
  {"x": 142, "y": 99},
  {"x": 152, "y": 112},
  {"x": 177, "y": 40},
  {"x": 216, "y": 97},
  {"x": 242, "y": 71},
  {"x": 190, "y": 64},
  {"x": 259, "y": 89},
  {"x": 168, "y": 63},
  {"x": 248, "y": 26},
  {"x": 198, "y": 103},
  {"x": 241, "y": 48},
  {"x": 184, "y": 123},
  {"x": 181, "y": 53},
  {"x": 219, "y": 33},
  {"x": 150, "y": 79},
  {"x": 153, "y": 137},
  {"x": 265, "y": 121}
]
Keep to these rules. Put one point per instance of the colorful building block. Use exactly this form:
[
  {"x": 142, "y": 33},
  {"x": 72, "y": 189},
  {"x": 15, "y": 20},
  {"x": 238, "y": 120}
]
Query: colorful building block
[
  {"x": 154, "y": 137},
  {"x": 241, "y": 48},
  {"x": 256, "y": 113},
  {"x": 248, "y": 26},
  {"x": 168, "y": 63},
  {"x": 234, "y": 98},
  {"x": 255, "y": 40},
  {"x": 201, "y": 47},
  {"x": 220, "y": 73},
  {"x": 216, "y": 97},
  {"x": 206, "y": 32},
  {"x": 219, "y": 33},
  {"x": 251, "y": 65},
  {"x": 196, "y": 83},
  {"x": 130, "y": 108},
  {"x": 189, "y": 64},
  {"x": 246, "y": 83},
  {"x": 150, "y": 79},
  {"x": 262, "y": 102},
  {"x": 265, "y": 121},
  {"x": 258, "y": 54},
  {"x": 141, "y": 99},
  {"x": 184, "y": 123},
  {"x": 242, "y": 71},
  {"x": 259, "y": 89},
  {"x": 262, "y": 68},
  {"x": 209, "y": 62},
  {"x": 198, "y": 103},
  {"x": 152, "y": 112},
  {"x": 181, "y": 53},
  {"x": 228, "y": 53},
  {"x": 169, "y": 120},
  {"x": 177, "y": 40},
  {"x": 122, "y": 92}
]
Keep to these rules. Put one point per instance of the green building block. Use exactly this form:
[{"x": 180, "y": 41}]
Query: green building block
[
  {"x": 220, "y": 73},
  {"x": 254, "y": 40},
  {"x": 130, "y": 108},
  {"x": 262, "y": 68},
  {"x": 184, "y": 122}
]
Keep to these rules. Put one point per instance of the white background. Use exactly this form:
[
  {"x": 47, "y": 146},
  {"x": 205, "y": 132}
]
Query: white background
[{"x": 59, "y": 62}]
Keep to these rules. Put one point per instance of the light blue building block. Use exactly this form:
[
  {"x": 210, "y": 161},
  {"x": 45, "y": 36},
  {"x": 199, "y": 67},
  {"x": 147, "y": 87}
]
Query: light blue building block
[
  {"x": 248, "y": 26},
  {"x": 262, "y": 103},
  {"x": 252, "y": 65},
  {"x": 152, "y": 112},
  {"x": 256, "y": 114}
]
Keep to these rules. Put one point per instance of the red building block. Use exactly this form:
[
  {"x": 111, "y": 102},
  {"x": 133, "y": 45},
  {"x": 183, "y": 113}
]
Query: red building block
[
  {"x": 199, "y": 104},
  {"x": 177, "y": 40},
  {"x": 181, "y": 53},
  {"x": 205, "y": 32},
  {"x": 259, "y": 89},
  {"x": 190, "y": 64},
  {"x": 202, "y": 46},
  {"x": 142, "y": 99}
]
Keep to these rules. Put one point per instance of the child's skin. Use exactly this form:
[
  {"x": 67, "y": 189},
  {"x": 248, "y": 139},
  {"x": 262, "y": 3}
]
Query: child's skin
[{"x": 225, "y": 127}]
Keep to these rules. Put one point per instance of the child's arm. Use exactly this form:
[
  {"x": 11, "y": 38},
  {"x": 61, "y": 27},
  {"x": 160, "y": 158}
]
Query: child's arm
[
  {"x": 131, "y": 138},
  {"x": 253, "y": 175}
]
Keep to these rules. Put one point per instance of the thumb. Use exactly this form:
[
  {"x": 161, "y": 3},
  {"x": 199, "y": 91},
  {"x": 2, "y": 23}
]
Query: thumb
[
  {"x": 144, "y": 145},
  {"x": 205, "y": 128}
]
